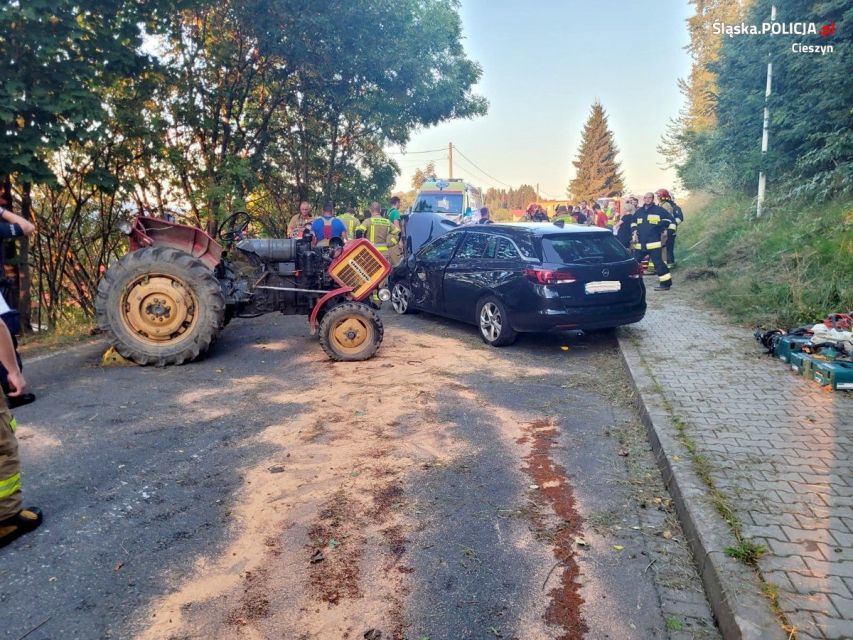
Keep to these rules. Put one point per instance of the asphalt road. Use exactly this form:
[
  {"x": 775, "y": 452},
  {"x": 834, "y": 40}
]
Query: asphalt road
[{"x": 494, "y": 494}]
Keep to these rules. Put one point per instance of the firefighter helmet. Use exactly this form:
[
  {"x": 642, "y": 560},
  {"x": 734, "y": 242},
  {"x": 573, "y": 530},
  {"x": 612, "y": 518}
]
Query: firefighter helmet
[{"x": 663, "y": 194}]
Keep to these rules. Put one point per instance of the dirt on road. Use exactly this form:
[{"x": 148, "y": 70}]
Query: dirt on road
[
  {"x": 444, "y": 490},
  {"x": 322, "y": 528}
]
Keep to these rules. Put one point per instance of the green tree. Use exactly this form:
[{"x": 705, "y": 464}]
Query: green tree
[
  {"x": 811, "y": 144},
  {"x": 597, "y": 172},
  {"x": 421, "y": 176},
  {"x": 56, "y": 57},
  {"x": 304, "y": 98}
]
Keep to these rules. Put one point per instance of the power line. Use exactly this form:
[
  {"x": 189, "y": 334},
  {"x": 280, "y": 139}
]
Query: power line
[
  {"x": 471, "y": 172},
  {"x": 419, "y": 163},
  {"x": 405, "y": 153},
  {"x": 485, "y": 173}
]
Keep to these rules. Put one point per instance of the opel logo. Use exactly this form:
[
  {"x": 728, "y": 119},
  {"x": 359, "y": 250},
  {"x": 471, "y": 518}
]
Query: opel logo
[{"x": 605, "y": 273}]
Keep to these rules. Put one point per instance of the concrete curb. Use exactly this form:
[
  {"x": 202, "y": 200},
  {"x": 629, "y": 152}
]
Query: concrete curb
[{"x": 733, "y": 591}]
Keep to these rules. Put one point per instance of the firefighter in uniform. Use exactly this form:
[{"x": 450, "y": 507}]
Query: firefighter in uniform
[
  {"x": 394, "y": 251},
  {"x": 300, "y": 221},
  {"x": 381, "y": 232},
  {"x": 650, "y": 225},
  {"x": 14, "y": 521},
  {"x": 350, "y": 222},
  {"x": 666, "y": 202}
]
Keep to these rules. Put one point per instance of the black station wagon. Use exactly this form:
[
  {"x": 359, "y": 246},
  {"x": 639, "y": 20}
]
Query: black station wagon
[{"x": 511, "y": 278}]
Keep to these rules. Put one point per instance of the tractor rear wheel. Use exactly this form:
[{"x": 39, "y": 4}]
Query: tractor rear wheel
[
  {"x": 351, "y": 331},
  {"x": 160, "y": 306}
]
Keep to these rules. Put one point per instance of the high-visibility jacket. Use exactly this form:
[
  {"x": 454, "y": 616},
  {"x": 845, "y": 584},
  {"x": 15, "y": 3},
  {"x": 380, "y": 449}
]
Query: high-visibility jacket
[
  {"x": 381, "y": 233},
  {"x": 351, "y": 222},
  {"x": 10, "y": 465},
  {"x": 649, "y": 223}
]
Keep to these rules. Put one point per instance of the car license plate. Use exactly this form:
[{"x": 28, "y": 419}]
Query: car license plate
[{"x": 603, "y": 286}]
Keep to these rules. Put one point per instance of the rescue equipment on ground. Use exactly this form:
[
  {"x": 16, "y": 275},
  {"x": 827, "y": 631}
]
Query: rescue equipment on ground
[{"x": 822, "y": 352}]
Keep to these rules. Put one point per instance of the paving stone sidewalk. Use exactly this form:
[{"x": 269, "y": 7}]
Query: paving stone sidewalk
[{"x": 780, "y": 448}]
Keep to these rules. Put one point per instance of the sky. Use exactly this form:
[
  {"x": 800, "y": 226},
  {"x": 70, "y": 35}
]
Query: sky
[{"x": 544, "y": 63}]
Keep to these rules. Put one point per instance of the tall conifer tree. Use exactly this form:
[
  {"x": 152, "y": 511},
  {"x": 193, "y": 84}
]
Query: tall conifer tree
[{"x": 598, "y": 174}]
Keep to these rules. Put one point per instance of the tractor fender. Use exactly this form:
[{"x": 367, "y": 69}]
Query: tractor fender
[
  {"x": 334, "y": 293},
  {"x": 154, "y": 232}
]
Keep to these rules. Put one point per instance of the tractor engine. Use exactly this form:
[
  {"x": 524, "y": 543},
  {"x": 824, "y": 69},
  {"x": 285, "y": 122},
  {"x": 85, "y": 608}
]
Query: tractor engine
[{"x": 264, "y": 275}]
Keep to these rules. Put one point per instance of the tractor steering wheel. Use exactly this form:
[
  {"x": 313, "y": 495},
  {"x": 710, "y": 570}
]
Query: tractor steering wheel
[{"x": 234, "y": 226}]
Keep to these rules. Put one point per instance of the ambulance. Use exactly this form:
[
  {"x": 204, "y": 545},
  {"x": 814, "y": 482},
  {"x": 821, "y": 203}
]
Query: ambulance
[{"x": 454, "y": 199}]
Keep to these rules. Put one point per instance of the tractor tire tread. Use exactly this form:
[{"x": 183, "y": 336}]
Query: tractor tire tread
[
  {"x": 198, "y": 276},
  {"x": 344, "y": 308}
]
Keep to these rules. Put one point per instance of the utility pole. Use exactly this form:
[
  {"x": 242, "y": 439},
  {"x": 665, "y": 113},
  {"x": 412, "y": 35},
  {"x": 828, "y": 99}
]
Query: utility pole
[
  {"x": 450, "y": 160},
  {"x": 765, "y": 134}
]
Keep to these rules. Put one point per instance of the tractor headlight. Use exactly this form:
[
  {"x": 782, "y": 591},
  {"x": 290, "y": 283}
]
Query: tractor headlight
[
  {"x": 125, "y": 227},
  {"x": 384, "y": 295}
]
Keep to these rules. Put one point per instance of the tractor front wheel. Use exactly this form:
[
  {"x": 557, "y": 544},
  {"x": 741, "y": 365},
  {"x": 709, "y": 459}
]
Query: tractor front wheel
[
  {"x": 160, "y": 306},
  {"x": 351, "y": 331}
]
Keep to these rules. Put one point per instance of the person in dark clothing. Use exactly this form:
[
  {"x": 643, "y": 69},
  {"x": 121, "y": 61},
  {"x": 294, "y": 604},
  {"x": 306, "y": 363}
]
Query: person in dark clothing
[
  {"x": 623, "y": 228},
  {"x": 539, "y": 215},
  {"x": 484, "y": 216},
  {"x": 666, "y": 202},
  {"x": 650, "y": 225},
  {"x": 623, "y": 233},
  {"x": 12, "y": 226}
]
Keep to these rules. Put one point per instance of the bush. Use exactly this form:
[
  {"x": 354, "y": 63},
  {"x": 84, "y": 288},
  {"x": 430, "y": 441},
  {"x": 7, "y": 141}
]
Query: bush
[{"x": 792, "y": 266}]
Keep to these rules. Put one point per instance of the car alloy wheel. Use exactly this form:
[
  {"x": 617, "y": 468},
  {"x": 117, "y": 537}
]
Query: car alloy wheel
[
  {"x": 400, "y": 295},
  {"x": 491, "y": 321}
]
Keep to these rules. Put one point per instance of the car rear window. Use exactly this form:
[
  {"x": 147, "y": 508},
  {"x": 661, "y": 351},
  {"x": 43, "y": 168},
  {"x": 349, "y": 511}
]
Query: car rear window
[{"x": 569, "y": 248}]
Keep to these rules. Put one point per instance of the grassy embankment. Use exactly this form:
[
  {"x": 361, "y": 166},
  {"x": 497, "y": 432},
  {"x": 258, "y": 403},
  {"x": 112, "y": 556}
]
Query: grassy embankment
[
  {"x": 74, "y": 329},
  {"x": 791, "y": 267}
]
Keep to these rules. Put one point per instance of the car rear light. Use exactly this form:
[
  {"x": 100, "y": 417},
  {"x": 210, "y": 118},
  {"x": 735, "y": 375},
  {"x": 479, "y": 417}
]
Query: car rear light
[
  {"x": 546, "y": 276},
  {"x": 637, "y": 272}
]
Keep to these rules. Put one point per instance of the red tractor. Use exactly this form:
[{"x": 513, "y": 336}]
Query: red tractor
[{"x": 168, "y": 298}]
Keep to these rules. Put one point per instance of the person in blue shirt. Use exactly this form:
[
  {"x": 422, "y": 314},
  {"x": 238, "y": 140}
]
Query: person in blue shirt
[{"x": 327, "y": 227}]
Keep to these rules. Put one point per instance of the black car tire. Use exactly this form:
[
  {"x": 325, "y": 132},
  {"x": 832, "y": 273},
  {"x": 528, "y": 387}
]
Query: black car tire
[
  {"x": 493, "y": 323},
  {"x": 401, "y": 299}
]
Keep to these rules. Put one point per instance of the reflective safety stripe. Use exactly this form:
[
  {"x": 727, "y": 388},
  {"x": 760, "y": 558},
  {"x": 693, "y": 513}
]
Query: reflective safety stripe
[
  {"x": 10, "y": 485},
  {"x": 633, "y": 225},
  {"x": 653, "y": 245},
  {"x": 672, "y": 226},
  {"x": 373, "y": 224},
  {"x": 350, "y": 221},
  {"x": 382, "y": 248},
  {"x": 636, "y": 245},
  {"x": 13, "y": 423},
  {"x": 668, "y": 276},
  {"x": 653, "y": 219}
]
